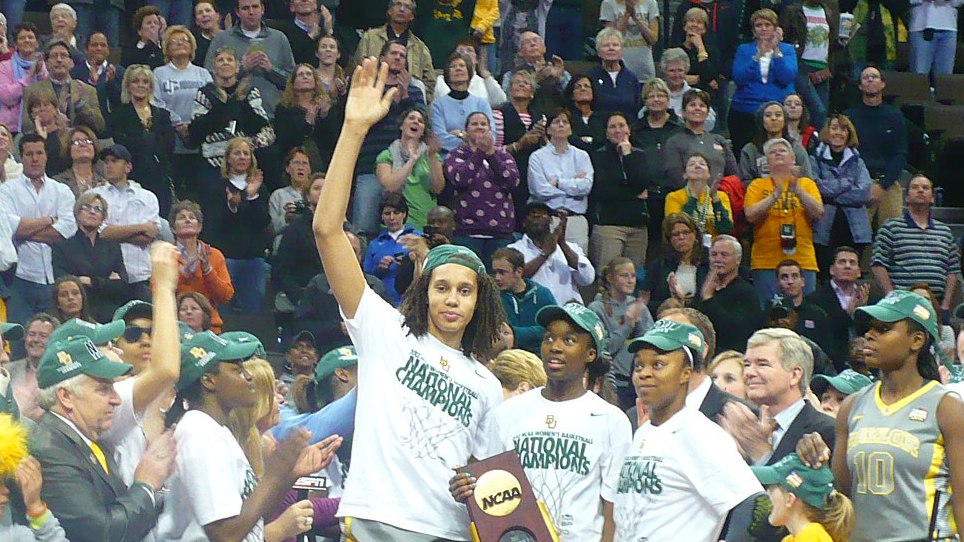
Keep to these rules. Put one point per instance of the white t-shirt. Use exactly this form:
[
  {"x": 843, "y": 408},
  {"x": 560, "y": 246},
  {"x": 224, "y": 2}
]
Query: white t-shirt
[
  {"x": 126, "y": 433},
  {"x": 570, "y": 451},
  {"x": 211, "y": 482},
  {"x": 683, "y": 476},
  {"x": 818, "y": 35},
  {"x": 637, "y": 54},
  {"x": 423, "y": 410}
]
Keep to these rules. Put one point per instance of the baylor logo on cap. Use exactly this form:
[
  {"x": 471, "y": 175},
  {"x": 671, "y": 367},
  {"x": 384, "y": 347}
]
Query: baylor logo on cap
[
  {"x": 64, "y": 358},
  {"x": 921, "y": 312},
  {"x": 663, "y": 326}
]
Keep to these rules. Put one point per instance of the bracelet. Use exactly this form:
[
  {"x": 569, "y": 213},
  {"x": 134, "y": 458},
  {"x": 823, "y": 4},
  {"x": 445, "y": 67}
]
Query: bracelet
[{"x": 41, "y": 514}]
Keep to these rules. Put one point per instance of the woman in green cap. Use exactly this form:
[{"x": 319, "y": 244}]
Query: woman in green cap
[
  {"x": 426, "y": 397},
  {"x": 683, "y": 473},
  {"x": 563, "y": 415},
  {"x": 900, "y": 442}
]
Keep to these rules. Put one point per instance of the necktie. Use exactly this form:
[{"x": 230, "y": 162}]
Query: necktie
[{"x": 99, "y": 454}]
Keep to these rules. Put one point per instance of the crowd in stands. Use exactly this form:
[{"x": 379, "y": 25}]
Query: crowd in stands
[{"x": 691, "y": 279}]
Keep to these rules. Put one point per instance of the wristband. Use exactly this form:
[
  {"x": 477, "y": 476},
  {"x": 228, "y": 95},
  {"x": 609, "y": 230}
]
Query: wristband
[{"x": 41, "y": 514}]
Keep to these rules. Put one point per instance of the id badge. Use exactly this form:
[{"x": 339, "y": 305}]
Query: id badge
[
  {"x": 707, "y": 240},
  {"x": 788, "y": 238}
]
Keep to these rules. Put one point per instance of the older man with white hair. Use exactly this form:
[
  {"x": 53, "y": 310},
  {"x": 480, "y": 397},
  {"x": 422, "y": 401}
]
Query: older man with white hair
[
  {"x": 727, "y": 298},
  {"x": 82, "y": 485},
  {"x": 63, "y": 25},
  {"x": 777, "y": 374}
]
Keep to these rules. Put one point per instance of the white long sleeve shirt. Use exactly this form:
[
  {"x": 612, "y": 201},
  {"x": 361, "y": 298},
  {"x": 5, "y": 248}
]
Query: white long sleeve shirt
[
  {"x": 555, "y": 274},
  {"x": 570, "y": 192}
]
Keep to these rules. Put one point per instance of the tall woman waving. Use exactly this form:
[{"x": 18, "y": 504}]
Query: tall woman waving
[
  {"x": 900, "y": 443},
  {"x": 406, "y": 358}
]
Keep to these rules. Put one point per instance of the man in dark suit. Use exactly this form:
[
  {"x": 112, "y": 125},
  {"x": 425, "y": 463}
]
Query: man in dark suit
[
  {"x": 839, "y": 298},
  {"x": 97, "y": 72},
  {"x": 310, "y": 23},
  {"x": 777, "y": 376},
  {"x": 82, "y": 484},
  {"x": 703, "y": 393}
]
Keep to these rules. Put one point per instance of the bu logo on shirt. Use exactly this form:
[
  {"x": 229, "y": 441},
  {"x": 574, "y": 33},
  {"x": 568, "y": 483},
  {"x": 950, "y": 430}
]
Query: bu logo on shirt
[{"x": 551, "y": 421}]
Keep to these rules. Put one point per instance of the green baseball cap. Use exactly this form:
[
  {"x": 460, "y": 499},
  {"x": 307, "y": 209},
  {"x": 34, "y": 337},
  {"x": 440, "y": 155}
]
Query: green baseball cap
[
  {"x": 184, "y": 331},
  {"x": 71, "y": 357},
  {"x": 336, "y": 358},
  {"x": 245, "y": 337},
  {"x": 444, "y": 254},
  {"x": 900, "y": 304},
  {"x": 11, "y": 331},
  {"x": 204, "y": 350},
  {"x": 98, "y": 334},
  {"x": 580, "y": 315},
  {"x": 811, "y": 485},
  {"x": 847, "y": 382},
  {"x": 134, "y": 309},
  {"x": 668, "y": 335}
]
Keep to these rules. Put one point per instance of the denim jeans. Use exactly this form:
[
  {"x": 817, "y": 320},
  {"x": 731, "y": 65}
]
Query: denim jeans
[
  {"x": 27, "y": 299},
  {"x": 564, "y": 32},
  {"x": 815, "y": 97},
  {"x": 249, "y": 278},
  {"x": 937, "y": 54},
  {"x": 364, "y": 212},
  {"x": 765, "y": 284},
  {"x": 175, "y": 11},
  {"x": 13, "y": 11},
  {"x": 99, "y": 16},
  {"x": 483, "y": 247}
]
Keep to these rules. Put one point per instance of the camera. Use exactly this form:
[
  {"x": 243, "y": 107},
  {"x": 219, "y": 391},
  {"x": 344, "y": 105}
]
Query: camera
[{"x": 301, "y": 207}]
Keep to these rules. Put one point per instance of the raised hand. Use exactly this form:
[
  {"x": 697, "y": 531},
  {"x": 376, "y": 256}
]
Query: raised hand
[
  {"x": 30, "y": 480},
  {"x": 317, "y": 456},
  {"x": 158, "y": 461},
  {"x": 255, "y": 180},
  {"x": 368, "y": 102},
  {"x": 164, "y": 264}
]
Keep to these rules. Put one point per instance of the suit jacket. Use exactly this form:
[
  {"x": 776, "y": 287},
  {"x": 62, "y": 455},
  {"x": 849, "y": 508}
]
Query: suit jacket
[
  {"x": 92, "y": 506},
  {"x": 807, "y": 421},
  {"x": 77, "y": 256},
  {"x": 108, "y": 93},
  {"x": 151, "y": 149},
  {"x": 86, "y": 112},
  {"x": 840, "y": 323}
]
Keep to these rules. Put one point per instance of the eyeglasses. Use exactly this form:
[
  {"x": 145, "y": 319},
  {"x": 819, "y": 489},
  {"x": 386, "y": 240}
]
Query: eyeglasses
[
  {"x": 92, "y": 208},
  {"x": 79, "y": 142},
  {"x": 179, "y": 41},
  {"x": 134, "y": 333}
]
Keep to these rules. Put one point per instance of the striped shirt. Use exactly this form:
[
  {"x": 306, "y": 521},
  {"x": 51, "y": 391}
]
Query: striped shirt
[{"x": 911, "y": 254}]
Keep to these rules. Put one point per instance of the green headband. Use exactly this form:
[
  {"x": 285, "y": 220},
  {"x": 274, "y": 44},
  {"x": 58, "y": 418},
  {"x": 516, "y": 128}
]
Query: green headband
[{"x": 444, "y": 254}]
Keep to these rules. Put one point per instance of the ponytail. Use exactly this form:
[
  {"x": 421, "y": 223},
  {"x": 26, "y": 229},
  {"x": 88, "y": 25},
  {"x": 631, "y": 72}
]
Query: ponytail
[
  {"x": 837, "y": 518},
  {"x": 303, "y": 394},
  {"x": 176, "y": 412},
  {"x": 926, "y": 358},
  {"x": 605, "y": 284}
]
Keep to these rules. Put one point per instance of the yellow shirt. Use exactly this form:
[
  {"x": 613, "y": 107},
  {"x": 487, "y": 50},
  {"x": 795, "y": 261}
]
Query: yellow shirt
[
  {"x": 813, "y": 532},
  {"x": 767, "y": 251},
  {"x": 676, "y": 200}
]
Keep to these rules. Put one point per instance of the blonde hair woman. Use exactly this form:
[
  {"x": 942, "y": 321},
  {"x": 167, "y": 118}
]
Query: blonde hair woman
[
  {"x": 147, "y": 132},
  {"x": 519, "y": 371}
]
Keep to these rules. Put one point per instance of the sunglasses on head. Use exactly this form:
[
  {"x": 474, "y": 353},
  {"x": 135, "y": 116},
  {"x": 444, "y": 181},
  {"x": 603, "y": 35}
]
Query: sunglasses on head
[{"x": 134, "y": 333}]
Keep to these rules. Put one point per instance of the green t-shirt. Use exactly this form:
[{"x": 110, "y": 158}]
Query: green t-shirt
[
  {"x": 441, "y": 24},
  {"x": 417, "y": 191}
]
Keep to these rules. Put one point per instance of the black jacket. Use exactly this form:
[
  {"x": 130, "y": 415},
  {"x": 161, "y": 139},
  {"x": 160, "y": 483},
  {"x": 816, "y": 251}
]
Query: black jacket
[
  {"x": 840, "y": 324},
  {"x": 78, "y": 257},
  {"x": 617, "y": 182},
  {"x": 653, "y": 142},
  {"x": 151, "y": 54},
  {"x": 92, "y": 506},
  {"x": 108, "y": 92},
  {"x": 735, "y": 313},
  {"x": 151, "y": 149},
  {"x": 513, "y": 129},
  {"x": 242, "y": 234},
  {"x": 302, "y": 45},
  {"x": 297, "y": 260}
]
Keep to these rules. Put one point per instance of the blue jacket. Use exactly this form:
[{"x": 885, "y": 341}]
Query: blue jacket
[
  {"x": 624, "y": 95},
  {"x": 385, "y": 245},
  {"x": 751, "y": 91},
  {"x": 522, "y": 314},
  {"x": 844, "y": 187}
]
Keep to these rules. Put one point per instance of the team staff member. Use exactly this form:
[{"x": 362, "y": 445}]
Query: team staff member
[
  {"x": 406, "y": 358},
  {"x": 900, "y": 443},
  {"x": 683, "y": 473},
  {"x": 566, "y": 416}
]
